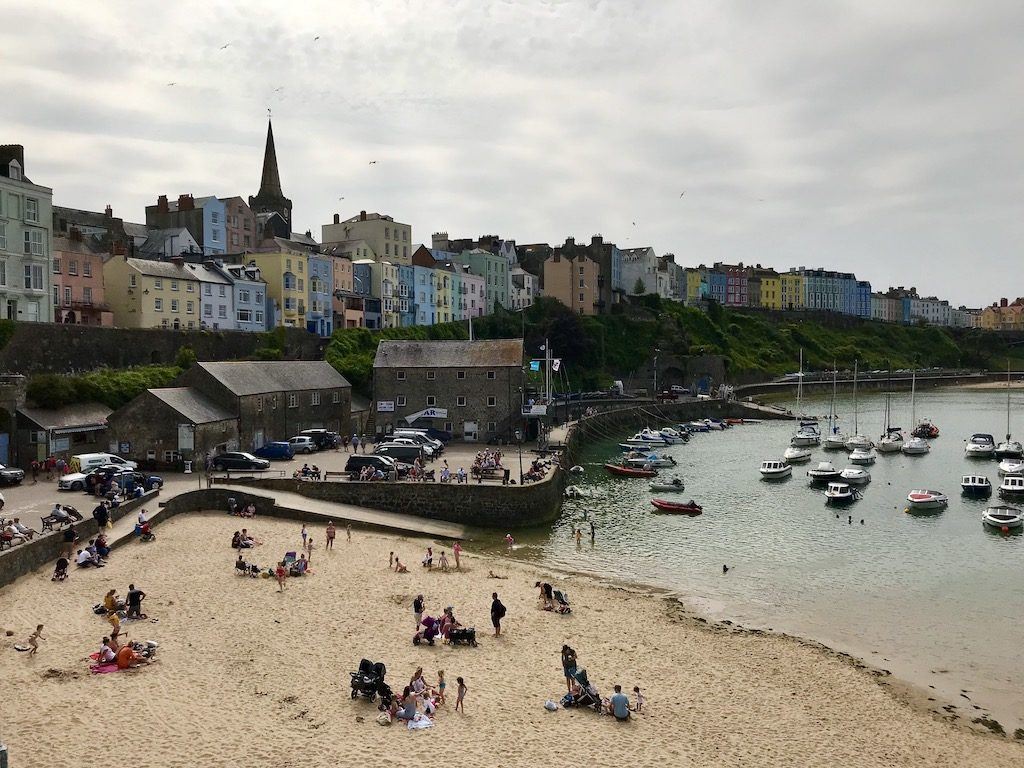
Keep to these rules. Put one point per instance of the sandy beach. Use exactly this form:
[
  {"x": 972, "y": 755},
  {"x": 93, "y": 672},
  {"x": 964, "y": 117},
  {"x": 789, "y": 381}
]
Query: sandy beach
[{"x": 247, "y": 674}]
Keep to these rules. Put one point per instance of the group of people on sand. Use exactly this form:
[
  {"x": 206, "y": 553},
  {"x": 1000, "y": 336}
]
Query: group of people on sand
[
  {"x": 420, "y": 700},
  {"x": 396, "y": 565},
  {"x": 580, "y": 689},
  {"x": 246, "y": 510}
]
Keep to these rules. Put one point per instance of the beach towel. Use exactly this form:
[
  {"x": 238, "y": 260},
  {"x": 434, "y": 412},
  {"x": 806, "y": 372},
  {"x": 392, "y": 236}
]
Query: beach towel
[
  {"x": 421, "y": 721},
  {"x": 102, "y": 669}
]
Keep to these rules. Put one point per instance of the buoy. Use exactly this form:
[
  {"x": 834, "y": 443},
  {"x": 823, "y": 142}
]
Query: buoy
[
  {"x": 1005, "y": 529},
  {"x": 907, "y": 510}
]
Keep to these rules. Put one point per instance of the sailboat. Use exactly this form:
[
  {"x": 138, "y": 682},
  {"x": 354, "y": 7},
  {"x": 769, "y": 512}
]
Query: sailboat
[
  {"x": 833, "y": 440},
  {"x": 1009, "y": 449},
  {"x": 808, "y": 434},
  {"x": 858, "y": 440},
  {"x": 891, "y": 440},
  {"x": 915, "y": 446}
]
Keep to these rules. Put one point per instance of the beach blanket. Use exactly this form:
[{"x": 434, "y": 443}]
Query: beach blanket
[
  {"x": 102, "y": 669},
  {"x": 421, "y": 721}
]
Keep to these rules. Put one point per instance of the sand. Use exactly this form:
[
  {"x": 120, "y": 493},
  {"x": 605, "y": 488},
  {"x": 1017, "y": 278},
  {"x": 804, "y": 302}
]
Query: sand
[{"x": 250, "y": 676}]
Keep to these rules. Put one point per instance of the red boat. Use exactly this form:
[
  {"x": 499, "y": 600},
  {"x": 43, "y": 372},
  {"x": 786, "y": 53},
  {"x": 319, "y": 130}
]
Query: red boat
[
  {"x": 689, "y": 508},
  {"x": 621, "y": 471}
]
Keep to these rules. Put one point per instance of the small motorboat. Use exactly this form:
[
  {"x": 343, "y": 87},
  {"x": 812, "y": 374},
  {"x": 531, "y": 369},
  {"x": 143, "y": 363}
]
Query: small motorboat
[
  {"x": 1009, "y": 449},
  {"x": 696, "y": 426},
  {"x": 775, "y": 469},
  {"x": 735, "y": 422},
  {"x": 1012, "y": 485},
  {"x": 691, "y": 507},
  {"x": 807, "y": 435},
  {"x": 862, "y": 456},
  {"x": 672, "y": 437},
  {"x": 714, "y": 425},
  {"x": 673, "y": 485},
  {"x": 923, "y": 499},
  {"x": 621, "y": 471},
  {"x": 976, "y": 485},
  {"x": 841, "y": 493},
  {"x": 653, "y": 460},
  {"x": 640, "y": 440},
  {"x": 794, "y": 454},
  {"x": 916, "y": 446},
  {"x": 855, "y": 476},
  {"x": 890, "y": 442},
  {"x": 824, "y": 472},
  {"x": 1003, "y": 517},
  {"x": 859, "y": 441},
  {"x": 1011, "y": 467},
  {"x": 926, "y": 430},
  {"x": 980, "y": 446}
]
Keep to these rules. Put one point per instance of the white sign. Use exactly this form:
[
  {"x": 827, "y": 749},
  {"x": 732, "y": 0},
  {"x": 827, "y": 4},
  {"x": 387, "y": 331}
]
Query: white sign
[
  {"x": 428, "y": 413},
  {"x": 186, "y": 437},
  {"x": 535, "y": 410},
  {"x": 385, "y": 406}
]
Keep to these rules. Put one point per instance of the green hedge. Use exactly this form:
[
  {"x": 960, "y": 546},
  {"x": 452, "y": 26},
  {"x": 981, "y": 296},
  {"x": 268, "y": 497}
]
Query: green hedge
[{"x": 110, "y": 387}]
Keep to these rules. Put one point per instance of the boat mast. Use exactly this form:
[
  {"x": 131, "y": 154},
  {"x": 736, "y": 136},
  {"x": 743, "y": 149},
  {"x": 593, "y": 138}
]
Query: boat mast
[
  {"x": 1007, "y": 400},
  {"x": 856, "y": 431},
  {"x": 832, "y": 406},
  {"x": 800, "y": 387},
  {"x": 913, "y": 392}
]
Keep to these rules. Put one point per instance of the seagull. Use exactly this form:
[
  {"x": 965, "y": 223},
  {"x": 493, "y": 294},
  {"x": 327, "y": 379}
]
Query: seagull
[
  {"x": 170, "y": 84},
  {"x": 373, "y": 162},
  {"x": 341, "y": 198},
  {"x": 682, "y": 193},
  {"x": 225, "y": 46},
  {"x": 279, "y": 89},
  {"x": 316, "y": 38},
  {"x": 634, "y": 223}
]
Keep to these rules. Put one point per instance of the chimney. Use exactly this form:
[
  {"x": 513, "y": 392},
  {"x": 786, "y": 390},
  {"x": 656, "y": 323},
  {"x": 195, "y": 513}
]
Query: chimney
[
  {"x": 75, "y": 235},
  {"x": 178, "y": 261},
  {"x": 1002, "y": 302},
  {"x": 118, "y": 249},
  {"x": 337, "y": 218},
  {"x": 596, "y": 240},
  {"x": 108, "y": 211},
  {"x": 362, "y": 215},
  {"x": 186, "y": 203},
  {"x": 161, "y": 204}
]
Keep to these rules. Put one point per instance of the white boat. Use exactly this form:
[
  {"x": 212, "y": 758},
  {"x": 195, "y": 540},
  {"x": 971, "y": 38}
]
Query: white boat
[
  {"x": 1002, "y": 516},
  {"x": 916, "y": 446},
  {"x": 671, "y": 436},
  {"x": 1011, "y": 467},
  {"x": 857, "y": 440},
  {"x": 834, "y": 441},
  {"x": 891, "y": 440},
  {"x": 980, "y": 446},
  {"x": 654, "y": 460},
  {"x": 841, "y": 493},
  {"x": 924, "y": 499},
  {"x": 795, "y": 455},
  {"x": 1009, "y": 448},
  {"x": 1012, "y": 485},
  {"x": 976, "y": 485},
  {"x": 714, "y": 426},
  {"x": 775, "y": 469},
  {"x": 824, "y": 471},
  {"x": 650, "y": 435},
  {"x": 855, "y": 476},
  {"x": 862, "y": 456},
  {"x": 675, "y": 484},
  {"x": 807, "y": 433}
]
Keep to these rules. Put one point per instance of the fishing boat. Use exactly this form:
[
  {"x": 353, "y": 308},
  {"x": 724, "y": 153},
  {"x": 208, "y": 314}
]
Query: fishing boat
[
  {"x": 891, "y": 440},
  {"x": 823, "y": 472},
  {"x": 858, "y": 440},
  {"x": 807, "y": 433},
  {"x": 924, "y": 499},
  {"x": 833, "y": 441},
  {"x": 1011, "y": 467},
  {"x": 915, "y": 446},
  {"x": 774, "y": 469},
  {"x": 675, "y": 484},
  {"x": 796, "y": 455},
  {"x": 621, "y": 471},
  {"x": 976, "y": 485},
  {"x": 691, "y": 507},
  {"x": 1012, "y": 485},
  {"x": 1003, "y": 517},
  {"x": 925, "y": 430},
  {"x": 862, "y": 456},
  {"x": 1009, "y": 448},
  {"x": 653, "y": 460},
  {"x": 855, "y": 476},
  {"x": 980, "y": 446},
  {"x": 841, "y": 493}
]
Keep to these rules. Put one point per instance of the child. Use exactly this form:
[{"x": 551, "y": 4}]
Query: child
[
  {"x": 34, "y": 638},
  {"x": 391, "y": 559},
  {"x": 304, "y": 534},
  {"x": 639, "y": 699},
  {"x": 461, "y": 695},
  {"x": 281, "y": 573},
  {"x": 443, "y": 561},
  {"x": 348, "y": 531},
  {"x": 440, "y": 686},
  {"x": 309, "y": 549}
]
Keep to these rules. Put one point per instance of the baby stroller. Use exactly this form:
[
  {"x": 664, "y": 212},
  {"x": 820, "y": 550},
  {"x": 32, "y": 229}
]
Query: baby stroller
[
  {"x": 588, "y": 696},
  {"x": 562, "y": 602},
  {"x": 369, "y": 680},
  {"x": 428, "y": 633},
  {"x": 145, "y": 532},
  {"x": 462, "y": 636}
]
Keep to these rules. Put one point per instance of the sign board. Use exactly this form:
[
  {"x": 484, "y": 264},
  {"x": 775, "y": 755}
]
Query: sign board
[
  {"x": 186, "y": 437},
  {"x": 385, "y": 406},
  {"x": 535, "y": 410},
  {"x": 124, "y": 448},
  {"x": 428, "y": 413},
  {"x": 535, "y": 365}
]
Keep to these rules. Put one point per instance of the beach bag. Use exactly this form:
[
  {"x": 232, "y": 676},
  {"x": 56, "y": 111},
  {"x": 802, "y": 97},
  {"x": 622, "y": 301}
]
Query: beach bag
[{"x": 550, "y": 706}]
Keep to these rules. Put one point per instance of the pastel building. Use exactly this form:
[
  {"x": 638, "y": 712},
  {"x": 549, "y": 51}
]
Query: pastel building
[
  {"x": 406, "y": 286},
  {"x": 239, "y": 225},
  {"x": 443, "y": 295},
  {"x": 283, "y": 265},
  {"x": 573, "y": 281},
  {"x": 216, "y": 297},
  {"x": 347, "y": 304},
  {"x": 26, "y": 221},
  {"x": 424, "y": 286},
  {"x": 319, "y": 312},
  {"x": 388, "y": 239},
  {"x": 78, "y": 290},
  {"x": 152, "y": 294},
  {"x": 735, "y": 283},
  {"x": 717, "y": 285},
  {"x": 494, "y": 269},
  {"x": 524, "y": 288},
  {"x": 793, "y": 294},
  {"x": 639, "y": 270},
  {"x": 249, "y": 297},
  {"x": 203, "y": 217},
  {"x": 362, "y": 281}
]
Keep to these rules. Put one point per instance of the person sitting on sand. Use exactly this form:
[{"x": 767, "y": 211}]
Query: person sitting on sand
[
  {"x": 249, "y": 510},
  {"x": 619, "y": 705},
  {"x": 107, "y": 654},
  {"x": 299, "y": 567},
  {"x": 400, "y": 566},
  {"x": 428, "y": 559},
  {"x": 86, "y": 560},
  {"x": 493, "y": 575},
  {"x": 102, "y": 545},
  {"x": 249, "y": 541},
  {"x": 409, "y": 701},
  {"x": 128, "y": 658}
]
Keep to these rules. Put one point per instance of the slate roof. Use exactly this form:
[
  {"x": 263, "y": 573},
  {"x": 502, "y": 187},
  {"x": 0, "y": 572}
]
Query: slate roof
[
  {"x": 192, "y": 404},
  {"x": 449, "y": 354},
  {"x": 161, "y": 269},
  {"x": 259, "y": 377},
  {"x": 79, "y": 415}
]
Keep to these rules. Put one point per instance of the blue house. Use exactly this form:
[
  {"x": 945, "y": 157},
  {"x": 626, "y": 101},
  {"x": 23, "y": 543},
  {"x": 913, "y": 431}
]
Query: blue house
[
  {"x": 319, "y": 314},
  {"x": 718, "y": 283},
  {"x": 362, "y": 285},
  {"x": 406, "y": 290}
]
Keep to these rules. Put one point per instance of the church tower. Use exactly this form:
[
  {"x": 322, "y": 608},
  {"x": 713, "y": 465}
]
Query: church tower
[{"x": 270, "y": 198}]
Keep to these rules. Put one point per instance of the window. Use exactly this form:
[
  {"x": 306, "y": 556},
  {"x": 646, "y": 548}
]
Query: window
[
  {"x": 174, "y": 285},
  {"x": 301, "y": 285},
  {"x": 259, "y": 297},
  {"x": 216, "y": 235},
  {"x": 259, "y": 405},
  {"x": 245, "y": 315},
  {"x": 215, "y": 217},
  {"x": 336, "y": 397},
  {"x": 460, "y": 401},
  {"x": 190, "y": 287},
  {"x": 400, "y": 375},
  {"x": 405, "y": 235},
  {"x": 234, "y": 238},
  {"x": 460, "y": 374},
  {"x": 34, "y": 242},
  {"x": 87, "y": 268},
  {"x": 431, "y": 400},
  {"x": 163, "y": 323},
  {"x": 158, "y": 306},
  {"x": 387, "y": 249},
  {"x": 400, "y": 400},
  {"x": 405, "y": 251},
  {"x": 87, "y": 295},
  {"x": 491, "y": 375},
  {"x": 67, "y": 294},
  {"x": 72, "y": 267},
  {"x": 190, "y": 307},
  {"x": 3, "y": 273},
  {"x": 387, "y": 233},
  {"x": 34, "y": 277},
  {"x": 158, "y": 283},
  {"x": 174, "y": 305},
  {"x": 314, "y": 398},
  {"x": 222, "y": 312},
  {"x": 209, "y": 290},
  {"x": 31, "y": 209},
  {"x": 223, "y": 291},
  {"x": 56, "y": 295},
  {"x": 431, "y": 375},
  {"x": 492, "y": 401},
  {"x": 492, "y": 426},
  {"x": 207, "y": 310},
  {"x": 56, "y": 265},
  {"x": 243, "y": 296},
  {"x": 259, "y": 317},
  {"x": 581, "y": 301},
  {"x": 293, "y": 400},
  {"x": 248, "y": 240}
]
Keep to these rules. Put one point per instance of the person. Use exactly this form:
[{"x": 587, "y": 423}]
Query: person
[
  {"x": 35, "y": 471},
  {"x": 391, "y": 559},
  {"x": 355, "y": 443},
  {"x": 497, "y": 613},
  {"x": 143, "y": 517},
  {"x": 102, "y": 546},
  {"x": 241, "y": 565},
  {"x": 309, "y": 549},
  {"x": 280, "y": 573},
  {"x": 579, "y": 536},
  {"x": 620, "y": 704},
  {"x": 85, "y": 560},
  {"x": 34, "y": 638},
  {"x": 400, "y": 566},
  {"x": 70, "y": 537},
  {"x": 639, "y": 699},
  {"x": 14, "y": 533},
  {"x": 331, "y": 533},
  {"x": 107, "y": 654},
  {"x": 249, "y": 511},
  {"x": 24, "y": 530},
  {"x": 428, "y": 559},
  {"x": 568, "y": 665},
  {"x": 510, "y": 540},
  {"x": 110, "y": 602},
  {"x": 461, "y": 696},
  {"x": 416, "y": 682},
  {"x": 417, "y": 609},
  {"x": 127, "y": 657},
  {"x": 546, "y": 595},
  {"x": 94, "y": 552},
  {"x": 408, "y": 710},
  {"x": 135, "y": 598},
  {"x": 60, "y": 570},
  {"x": 348, "y": 531},
  {"x": 299, "y": 567},
  {"x": 493, "y": 575},
  {"x": 236, "y": 541},
  {"x": 461, "y": 475},
  {"x": 457, "y": 551},
  {"x": 442, "y": 561},
  {"x": 440, "y": 686},
  {"x": 593, "y": 531},
  {"x": 304, "y": 534}
]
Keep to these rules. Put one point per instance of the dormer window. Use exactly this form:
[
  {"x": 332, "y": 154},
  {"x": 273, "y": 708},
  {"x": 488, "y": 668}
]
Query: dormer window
[{"x": 14, "y": 170}]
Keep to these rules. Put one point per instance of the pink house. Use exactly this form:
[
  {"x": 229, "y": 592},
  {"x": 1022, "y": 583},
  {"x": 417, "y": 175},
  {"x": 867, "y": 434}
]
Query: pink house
[{"x": 78, "y": 280}]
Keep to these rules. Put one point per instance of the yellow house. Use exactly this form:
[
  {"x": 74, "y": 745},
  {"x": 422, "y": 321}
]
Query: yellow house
[
  {"x": 443, "y": 294},
  {"x": 285, "y": 267},
  {"x": 151, "y": 294},
  {"x": 791, "y": 291},
  {"x": 385, "y": 288},
  {"x": 695, "y": 278},
  {"x": 771, "y": 290}
]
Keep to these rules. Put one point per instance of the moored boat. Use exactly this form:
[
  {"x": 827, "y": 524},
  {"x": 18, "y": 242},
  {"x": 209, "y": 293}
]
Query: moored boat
[
  {"x": 841, "y": 493},
  {"x": 823, "y": 472},
  {"x": 834, "y": 440},
  {"x": 916, "y": 446},
  {"x": 1011, "y": 467},
  {"x": 691, "y": 507},
  {"x": 775, "y": 469},
  {"x": 891, "y": 440},
  {"x": 621, "y": 471},
  {"x": 673, "y": 485},
  {"x": 926, "y": 430},
  {"x": 794, "y": 455},
  {"x": 980, "y": 446},
  {"x": 925, "y": 499},
  {"x": 1003, "y": 517},
  {"x": 976, "y": 485},
  {"x": 1012, "y": 485},
  {"x": 651, "y": 461},
  {"x": 862, "y": 456},
  {"x": 855, "y": 476},
  {"x": 1009, "y": 448}
]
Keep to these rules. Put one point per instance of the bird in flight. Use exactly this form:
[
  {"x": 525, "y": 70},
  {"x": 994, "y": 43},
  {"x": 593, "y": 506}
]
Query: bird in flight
[
  {"x": 316, "y": 38},
  {"x": 373, "y": 162},
  {"x": 225, "y": 46},
  {"x": 682, "y": 193},
  {"x": 341, "y": 198},
  {"x": 634, "y": 223},
  {"x": 170, "y": 84},
  {"x": 276, "y": 90}
]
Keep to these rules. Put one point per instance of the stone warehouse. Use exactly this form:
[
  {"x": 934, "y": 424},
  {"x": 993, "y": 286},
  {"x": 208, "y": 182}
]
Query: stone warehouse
[{"x": 472, "y": 389}]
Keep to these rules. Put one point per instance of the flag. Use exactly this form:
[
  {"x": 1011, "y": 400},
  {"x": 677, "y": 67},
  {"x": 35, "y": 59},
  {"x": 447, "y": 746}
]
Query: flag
[
  {"x": 556, "y": 364},
  {"x": 535, "y": 365}
]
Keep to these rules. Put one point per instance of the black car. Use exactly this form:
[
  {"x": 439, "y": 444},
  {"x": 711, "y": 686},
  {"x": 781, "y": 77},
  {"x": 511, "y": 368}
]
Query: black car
[
  {"x": 385, "y": 464},
  {"x": 323, "y": 438},
  {"x": 239, "y": 460},
  {"x": 11, "y": 475}
]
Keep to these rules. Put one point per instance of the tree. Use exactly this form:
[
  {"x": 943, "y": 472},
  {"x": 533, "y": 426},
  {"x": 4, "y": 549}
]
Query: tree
[{"x": 639, "y": 288}]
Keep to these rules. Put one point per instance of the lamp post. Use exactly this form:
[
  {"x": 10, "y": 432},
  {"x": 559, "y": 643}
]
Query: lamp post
[{"x": 519, "y": 442}]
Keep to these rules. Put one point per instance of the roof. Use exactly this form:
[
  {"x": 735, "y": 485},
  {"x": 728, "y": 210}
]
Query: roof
[
  {"x": 87, "y": 245},
  {"x": 78, "y": 415},
  {"x": 207, "y": 274},
  {"x": 360, "y": 403},
  {"x": 258, "y": 377},
  {"x": 161, "y": 269},
  {"x": 449, "y": 354},
  {"x": 192, "y": 404},
  {"x": 157, "y": 240},
  {"x": 136, "y": 230}
]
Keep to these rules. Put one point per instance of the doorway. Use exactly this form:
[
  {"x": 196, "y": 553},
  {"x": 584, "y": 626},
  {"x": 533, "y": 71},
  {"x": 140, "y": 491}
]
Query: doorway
[{"x": 469, "y": 431}]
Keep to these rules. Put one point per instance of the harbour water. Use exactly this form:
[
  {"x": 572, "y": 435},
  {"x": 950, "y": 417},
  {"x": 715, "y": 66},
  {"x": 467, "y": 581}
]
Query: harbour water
[{"x": 938, "y": 599}]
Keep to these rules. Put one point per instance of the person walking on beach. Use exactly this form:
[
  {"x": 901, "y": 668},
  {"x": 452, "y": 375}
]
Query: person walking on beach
[
  {"x": 497, "y": 613},
  {"x": 331, "y": 533},
  {"x": 593, "y": 531},
  {"x": 568, "y": 665},
  {"x": 34, "y": 638},
  {"x": 417, "y": 610},
  {"x": 304, "y": 533},
  {"x": 579, "y": 538},
  {"x": 309, "y": 549},
  {"x": 457, "y": 551},
  {"x": 134, "y": 600},
  {"x": 460, "y": 698},
  {"x": 281, "y": 573},
  {"x": 348, "y": 531}
]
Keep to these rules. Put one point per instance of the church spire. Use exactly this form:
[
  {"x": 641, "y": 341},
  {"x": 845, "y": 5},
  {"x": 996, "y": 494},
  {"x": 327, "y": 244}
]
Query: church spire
[
  {"x": 270, "y": 184},
  {"x": 270, "y": 199}
]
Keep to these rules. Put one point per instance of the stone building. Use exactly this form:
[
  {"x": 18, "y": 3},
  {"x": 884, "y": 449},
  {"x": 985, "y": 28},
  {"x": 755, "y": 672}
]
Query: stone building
[
  {"x": 26, "y": 221},
  {"x": 472, "y": 389},
  {"x": 386, "y": 238}
]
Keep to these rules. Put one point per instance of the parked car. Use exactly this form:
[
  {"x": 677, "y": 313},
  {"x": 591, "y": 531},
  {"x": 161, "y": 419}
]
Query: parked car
[
  {"x": 400, "y": 452},
  {"x": 324, "y": 438},
  {"x": 239, "y": 460},
  {"x": 280, "y": 450},
  {"x": 129, "y": 480},
  {"x": 419, "y": 437},
  {"x": 81, "y": 481},
  {"x": 303, "y": 444},
  {"x": 386, "y": 464},
  {"x": 434, "y": 434},
  {"x": 11, "y": 475},
  {"x": 88, "y": 461},
  {"x": 667, "y": 395},
  {"x": 429, "y": 450}
]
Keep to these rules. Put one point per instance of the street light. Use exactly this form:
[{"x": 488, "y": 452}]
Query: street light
[{"x": 519, "y": 442}]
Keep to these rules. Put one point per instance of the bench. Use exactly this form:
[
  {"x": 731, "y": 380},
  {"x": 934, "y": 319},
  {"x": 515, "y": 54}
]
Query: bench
[
  {"x": 47, "y": 523},
  {"x": 334, "y": 475}
]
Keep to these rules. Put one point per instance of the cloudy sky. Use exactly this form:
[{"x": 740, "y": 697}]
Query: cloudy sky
[{"x": 877, "y": 137}]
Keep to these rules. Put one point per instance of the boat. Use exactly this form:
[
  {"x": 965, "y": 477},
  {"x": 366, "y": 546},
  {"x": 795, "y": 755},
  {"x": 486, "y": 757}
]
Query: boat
[
  {"x": 862, "y": 456},
  {"x": 671, "y": 436},
  {"x": 823, "y": 472},
  {"x": 916, "y": 446},
  {"x": 775, "y": 469},
  {"x": 980, "y": 446},
  {"x": 925, "y": 430},
  {"x": 714, "y": 426},
  {"x": 1009, "y": 448},
  {"x": 795, "y": 455},
  {"x": 1003, "y": 517},
  {"x": 891, "y": 440},
  {"x": 654, "y": 460},
  {"x": 621, "y": 471},
  {"x": 976, "y": 485},
  {"x": 1012, "y": 485},
  {"x": 833, "y": 441},
  {"x": 655, "y": 436},
  {"x": 923, "y": 499},
  {"x": 695, "y": 426},
  {"x": 1011, "y": 467},
  {"x": 721, "y": 423},
  {"x": 691, "y": 507},
  {"x": 858, "y": 440},
  {"x": 855, "y": 476},
  {"x": 841, "y": 493},
  {"x": 675, "y": 484},
  {"x": 807, "y": 433},
  {"x": 648, "y": 437}
]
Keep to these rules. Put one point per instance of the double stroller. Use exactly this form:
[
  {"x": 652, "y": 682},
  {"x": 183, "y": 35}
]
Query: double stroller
[
  {"x": 462, "y": 636},
  {"x": 561, "y": 602},
  {"x": 585, "y": 693},
  {"x": 431, "y": 629},
  {"x": 369, "y": 682}
]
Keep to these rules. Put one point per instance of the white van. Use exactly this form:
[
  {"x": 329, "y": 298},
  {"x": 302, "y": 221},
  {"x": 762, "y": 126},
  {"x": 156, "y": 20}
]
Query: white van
[{"x": 86, "y": 462}]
